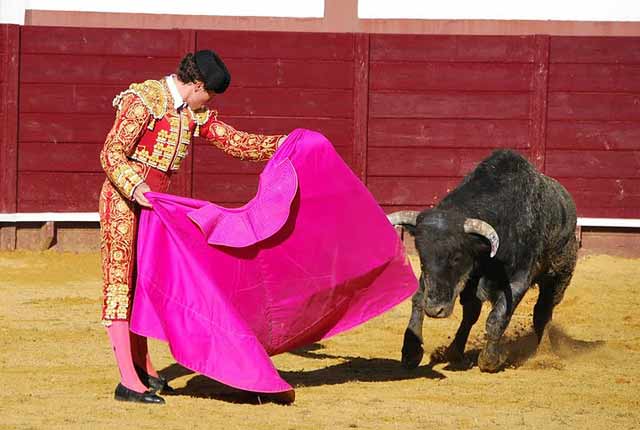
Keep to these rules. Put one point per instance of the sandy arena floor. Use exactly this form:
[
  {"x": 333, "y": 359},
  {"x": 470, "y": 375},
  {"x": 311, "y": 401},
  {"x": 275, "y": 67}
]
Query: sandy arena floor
[{"x": 58, "y": 370}]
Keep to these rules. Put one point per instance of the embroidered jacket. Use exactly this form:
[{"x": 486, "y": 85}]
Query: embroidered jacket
[{"x": 150, "y": 130}]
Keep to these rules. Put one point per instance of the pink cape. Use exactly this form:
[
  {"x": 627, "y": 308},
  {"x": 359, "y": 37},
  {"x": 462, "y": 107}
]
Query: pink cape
[{"x": 310, "y": 256}]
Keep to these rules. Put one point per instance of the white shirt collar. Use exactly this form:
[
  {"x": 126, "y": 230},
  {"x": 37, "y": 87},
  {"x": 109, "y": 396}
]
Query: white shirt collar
[{"x": 178, "y": 101}]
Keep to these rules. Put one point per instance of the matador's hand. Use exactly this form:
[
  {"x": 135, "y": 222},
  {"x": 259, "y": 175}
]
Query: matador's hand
[
  {"x": 281, "y": 141},
  {"x": 138, "y": 195}
]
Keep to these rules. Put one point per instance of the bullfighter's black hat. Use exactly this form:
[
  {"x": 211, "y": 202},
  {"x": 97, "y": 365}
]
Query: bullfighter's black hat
[{"x": 215, "y": 75}]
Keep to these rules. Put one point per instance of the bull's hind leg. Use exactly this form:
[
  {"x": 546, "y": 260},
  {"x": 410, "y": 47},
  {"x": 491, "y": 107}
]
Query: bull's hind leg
[{"x": 552, "y": 288}]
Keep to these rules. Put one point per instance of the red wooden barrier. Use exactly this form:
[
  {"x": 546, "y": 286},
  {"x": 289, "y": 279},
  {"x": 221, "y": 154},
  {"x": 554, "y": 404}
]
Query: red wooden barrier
[
  {"x": 68, "y": 78},
  {"x": 439, "y": 104},
  {"x": 9, "y": 49},
  {"x": 411, "y": 114},
  {"x": 594, "y": 123},
  {"x": 279, "y": 82}
]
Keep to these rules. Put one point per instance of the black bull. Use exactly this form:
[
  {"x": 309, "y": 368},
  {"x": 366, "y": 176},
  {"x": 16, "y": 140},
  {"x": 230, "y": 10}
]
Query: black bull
[{"x": 503, "y": 229}]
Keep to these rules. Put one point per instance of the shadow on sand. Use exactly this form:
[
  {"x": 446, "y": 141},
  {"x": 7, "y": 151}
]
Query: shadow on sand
[
  {"x": 351, "y": 369},
  {"x": 518, "y": 348}
]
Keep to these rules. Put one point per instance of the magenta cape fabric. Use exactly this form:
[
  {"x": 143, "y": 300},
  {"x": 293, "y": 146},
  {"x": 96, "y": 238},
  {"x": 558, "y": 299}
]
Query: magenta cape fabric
[{"x": 310, "y": 256}]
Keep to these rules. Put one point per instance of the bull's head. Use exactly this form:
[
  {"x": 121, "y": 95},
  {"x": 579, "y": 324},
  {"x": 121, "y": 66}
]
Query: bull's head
[{"x": 448, "y": 244}]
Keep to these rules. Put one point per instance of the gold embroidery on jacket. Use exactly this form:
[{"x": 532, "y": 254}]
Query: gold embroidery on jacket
[
  {"x": 130, "y": 122},
  {"x": 167, "y": 152},
  {"x": 240, "y": 144},
  {"x": 152, "y": 93}
]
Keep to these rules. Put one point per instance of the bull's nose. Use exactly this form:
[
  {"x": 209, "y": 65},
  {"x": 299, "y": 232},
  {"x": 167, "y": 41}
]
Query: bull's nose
[{"x": 438, "y": 311}]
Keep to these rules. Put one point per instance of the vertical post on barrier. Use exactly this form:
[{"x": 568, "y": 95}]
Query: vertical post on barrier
[
  {"x": 361, "y": 105},
  {"x": 539, "y": 101},
  {"x": 9, "y": 86}
]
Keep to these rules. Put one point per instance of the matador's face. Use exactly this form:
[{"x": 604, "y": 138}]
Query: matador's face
[{"x": 198, "y": 96}]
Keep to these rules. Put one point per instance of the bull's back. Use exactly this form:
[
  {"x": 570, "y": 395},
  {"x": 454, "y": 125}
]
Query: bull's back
[{"x": 560, "y": 220}]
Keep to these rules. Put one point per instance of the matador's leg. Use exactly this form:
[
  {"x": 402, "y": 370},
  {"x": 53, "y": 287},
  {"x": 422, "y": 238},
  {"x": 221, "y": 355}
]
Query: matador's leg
[{"x": 118, "y": 233}]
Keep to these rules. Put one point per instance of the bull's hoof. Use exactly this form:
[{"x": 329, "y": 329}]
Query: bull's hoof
[
  {"x": 412, "y": 351},
  {"x": 491, "y": 363}
]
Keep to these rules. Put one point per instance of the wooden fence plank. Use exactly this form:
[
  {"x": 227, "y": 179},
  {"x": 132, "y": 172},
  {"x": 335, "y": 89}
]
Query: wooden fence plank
[
  {"x": 445, "y": 48},
  {"x": 449, "y": 133},
  {"x": 102, "y": 41},
  {"x": 451, "y": 76},
  {"x": 609, "y": 198},
  {"x": 593, "y": 164},
  {"x": 450, "y": 105},
  {"x": 65, "y": 127},
  {"x": 593, "y": 135},
  {"x": 599, "y": 49},
  {"x": 298, "y": 73},
  {"x": 594, "y": 106},
  {"x": 59, "y": 157},
  {"x": 91, "y": 69},
  {"x": 274, "y": 44},
  {"x": 424, "y": 162},
  {"x": 59, "y": 192},
  {"x": 301, "y": 102},
  {"x": 399, "y": 191},
  {"x": 595, "y": 77},
  {"x": 65, "y": 98}
]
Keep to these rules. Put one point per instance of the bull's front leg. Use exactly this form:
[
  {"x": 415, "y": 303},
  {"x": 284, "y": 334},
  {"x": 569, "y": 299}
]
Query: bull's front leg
[
  {"x": 412, "y": 350},
  {"x": 504, "y": 300},
  {"x": 471, "y": 307}
]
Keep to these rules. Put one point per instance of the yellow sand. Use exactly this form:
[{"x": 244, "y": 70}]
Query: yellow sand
[{"x": 58, "y": 370}]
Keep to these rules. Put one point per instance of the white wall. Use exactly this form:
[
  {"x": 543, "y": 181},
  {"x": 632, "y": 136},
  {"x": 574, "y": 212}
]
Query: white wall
[
  {"x": 563, "y": 10},
  {"x": 12, "y": 11}
]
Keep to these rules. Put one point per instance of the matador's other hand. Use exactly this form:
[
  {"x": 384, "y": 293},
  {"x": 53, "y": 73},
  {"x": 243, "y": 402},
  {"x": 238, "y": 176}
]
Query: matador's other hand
[
  {"x": 281, "y": 141},
  {"x": 138, "y": 195}
]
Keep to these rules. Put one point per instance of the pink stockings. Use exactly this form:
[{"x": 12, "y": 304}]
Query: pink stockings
[{"x": 130, "y": 349}]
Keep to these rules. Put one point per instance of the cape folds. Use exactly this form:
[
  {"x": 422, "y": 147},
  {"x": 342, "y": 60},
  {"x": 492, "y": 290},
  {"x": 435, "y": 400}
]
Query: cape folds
[{"x": 310, "y": 256}]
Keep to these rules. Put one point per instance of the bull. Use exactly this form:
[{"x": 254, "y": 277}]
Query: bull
[{"x": 503, "y": 229}]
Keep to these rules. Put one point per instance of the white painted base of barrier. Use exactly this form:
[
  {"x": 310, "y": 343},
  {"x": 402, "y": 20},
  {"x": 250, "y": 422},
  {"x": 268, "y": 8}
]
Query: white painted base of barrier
[{"x": 94, "y": 217}]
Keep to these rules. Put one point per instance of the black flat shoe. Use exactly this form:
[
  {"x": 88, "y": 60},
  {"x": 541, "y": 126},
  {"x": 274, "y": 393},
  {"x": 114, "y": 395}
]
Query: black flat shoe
[
  {"x": 155, "y": 385},
  {"x": 126, "y": 395}
]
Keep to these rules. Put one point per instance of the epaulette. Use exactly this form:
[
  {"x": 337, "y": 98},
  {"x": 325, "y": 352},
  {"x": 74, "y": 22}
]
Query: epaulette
[{"x": 153, "y": 96}]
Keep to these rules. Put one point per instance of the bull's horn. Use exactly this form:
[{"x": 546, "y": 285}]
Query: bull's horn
[
  {"x": 477, "y": 226},
  {"x": 403, "y": 217}
]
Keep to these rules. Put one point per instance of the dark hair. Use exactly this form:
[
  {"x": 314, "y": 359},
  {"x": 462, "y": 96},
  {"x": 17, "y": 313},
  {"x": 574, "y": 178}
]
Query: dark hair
[{"x": 204, "y": 66}]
